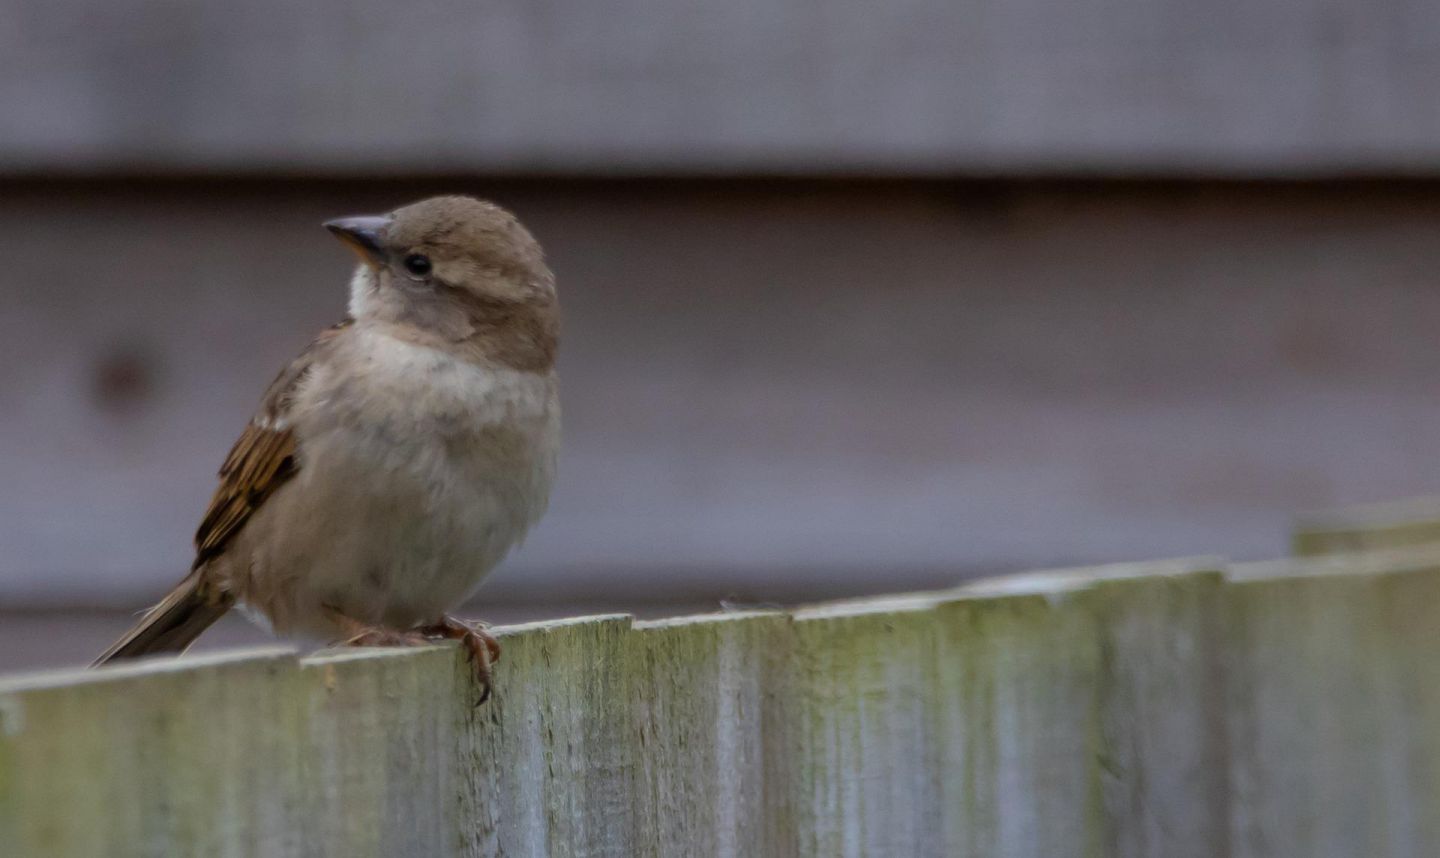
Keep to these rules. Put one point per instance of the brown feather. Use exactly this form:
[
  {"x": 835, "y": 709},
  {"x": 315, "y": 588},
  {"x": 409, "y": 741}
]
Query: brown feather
[
  {"x": 173, "y": 624},
  {"x": 263, "y": 459},
  {"x": 260, "y": 462}
]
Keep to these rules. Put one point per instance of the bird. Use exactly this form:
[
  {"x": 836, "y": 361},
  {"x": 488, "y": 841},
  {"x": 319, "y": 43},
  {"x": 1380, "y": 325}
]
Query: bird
[{"x": 395, "y": 462}]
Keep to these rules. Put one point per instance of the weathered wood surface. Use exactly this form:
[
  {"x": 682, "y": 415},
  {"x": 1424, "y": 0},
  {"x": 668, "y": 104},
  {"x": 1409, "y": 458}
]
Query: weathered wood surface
[
  {"x": 713, "y": 732},
  {"x": 866, "y": 769},
  {"x": 1086, "y": 713},
  {"x": 551, "y": 764},
  {"x": 925, "y": 86},
  {"x": 1175, "y": 708},
  {"x": 1333, "y": 680},
  {"x": 1383, "y": 525}
]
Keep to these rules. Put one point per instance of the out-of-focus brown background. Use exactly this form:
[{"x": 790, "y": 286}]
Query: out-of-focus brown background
[{"x": 858, "y": 297}]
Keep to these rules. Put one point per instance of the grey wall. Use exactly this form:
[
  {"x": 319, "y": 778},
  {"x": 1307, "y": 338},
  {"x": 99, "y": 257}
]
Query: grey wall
[
  {"x": 921, "y": 86},
  {"x": 773, "y": 389}
]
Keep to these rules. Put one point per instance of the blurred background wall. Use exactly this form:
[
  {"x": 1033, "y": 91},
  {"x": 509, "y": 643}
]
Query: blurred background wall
[{"x": 858, "y": 296}]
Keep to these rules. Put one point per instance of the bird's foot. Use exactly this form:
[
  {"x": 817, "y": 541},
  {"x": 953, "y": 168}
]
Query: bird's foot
[
  {"x": 479, "y": 644},
  {"x": 355, "y": 633},
  {"x": 381, "y": 636}
]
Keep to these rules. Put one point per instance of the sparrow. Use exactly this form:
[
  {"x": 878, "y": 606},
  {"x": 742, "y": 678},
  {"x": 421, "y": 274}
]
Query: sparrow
[{"x": 399, "y": 458}]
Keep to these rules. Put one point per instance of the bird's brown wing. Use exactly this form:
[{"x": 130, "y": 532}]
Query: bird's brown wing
[{"x": 262, "y": 459}]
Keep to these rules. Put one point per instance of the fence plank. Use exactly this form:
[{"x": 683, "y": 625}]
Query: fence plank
[
  {"x": 864, "y": 697},
  {"x": 1333, "y": 676},
  {"x": 375, "y": 720},
  {"x": 1083, "y": 714},
  {"x": 1146, "y": 710},
  {"x": 1361, "y": 528},
  {"x": 712, "y": 736},
  {"x": 135, "y": 761},
  {"x": 550, "y": 762}
]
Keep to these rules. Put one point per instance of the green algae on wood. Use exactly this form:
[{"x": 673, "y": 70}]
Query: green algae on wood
[
  {"x": 550, "y": 762},
  {"x": 1141, "y": 710},
  {"x": 866, "y": 778},
  {"x": 1394, "y": 524},
  {"x": 1333, "y": 675},
  {"x": 1082, "y": 713},
  {"x": 712, "y": 733},
  {"x": 136, "y": 760}
]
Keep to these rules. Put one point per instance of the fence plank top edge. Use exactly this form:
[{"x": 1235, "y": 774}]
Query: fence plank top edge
[
  {"x": 339, "y": 655},
  {"x": 1063, "y": 581},
  {"x": 898, "y": 604},
  {"x": 1060, "y": 583},
  {"x": 560, "y": 623},
  {"x": 1385, "y": 514},
  {"x": 152, "y": 666},
  {"x": 710, "y": 619},
  {"x": 1361, "y": 562}
]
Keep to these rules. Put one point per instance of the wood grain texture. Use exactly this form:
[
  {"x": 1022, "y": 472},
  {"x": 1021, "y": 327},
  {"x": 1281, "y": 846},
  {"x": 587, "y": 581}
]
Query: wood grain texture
[
  {"x": 1333, "y": 666},
  {"x": 379, "y": 758},
  {"x": 865, "y": 775},
  {"x": 156, "y": 758},
  {"x": 1370, "y": 526},
  {"x": 1145, "y": 710},
  {"x": 551, "y": 761},
  {"x": 713, "y": 736},
  {"x": 1083, "y": 714}
]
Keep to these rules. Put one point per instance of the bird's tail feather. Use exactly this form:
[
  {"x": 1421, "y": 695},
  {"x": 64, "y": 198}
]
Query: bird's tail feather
[{"x": 172, "y": 625}]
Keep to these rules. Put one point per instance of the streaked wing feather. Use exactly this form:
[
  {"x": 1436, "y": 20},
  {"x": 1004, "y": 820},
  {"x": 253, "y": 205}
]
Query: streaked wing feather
[{"x": 262, "y": 459}]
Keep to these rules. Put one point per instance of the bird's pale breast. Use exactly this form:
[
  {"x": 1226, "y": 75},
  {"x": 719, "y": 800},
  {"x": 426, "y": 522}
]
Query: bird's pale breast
[{"x": 418, "y": 472}]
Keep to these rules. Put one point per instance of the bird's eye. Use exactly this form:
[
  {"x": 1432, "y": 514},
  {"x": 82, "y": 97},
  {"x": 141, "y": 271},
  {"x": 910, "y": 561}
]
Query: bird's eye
[{"x": 417, "y": 264}]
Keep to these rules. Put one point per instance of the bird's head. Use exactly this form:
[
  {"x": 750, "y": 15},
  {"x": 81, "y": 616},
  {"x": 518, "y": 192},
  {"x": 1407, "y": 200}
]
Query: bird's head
[{"x": 458, "y": 273}]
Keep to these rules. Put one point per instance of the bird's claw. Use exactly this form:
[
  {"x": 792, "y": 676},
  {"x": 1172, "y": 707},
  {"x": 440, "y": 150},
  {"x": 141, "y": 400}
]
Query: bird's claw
[{"x": 481, "y": 647}]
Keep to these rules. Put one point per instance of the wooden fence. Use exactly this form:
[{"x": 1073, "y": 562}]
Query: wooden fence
[{"x": 1179, "y": 708}]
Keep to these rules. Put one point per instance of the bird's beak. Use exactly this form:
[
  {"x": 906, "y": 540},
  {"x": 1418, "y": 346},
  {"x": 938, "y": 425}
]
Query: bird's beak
[{"x": 364, "y": 235}]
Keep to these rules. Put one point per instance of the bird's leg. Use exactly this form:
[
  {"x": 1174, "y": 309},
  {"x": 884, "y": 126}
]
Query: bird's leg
[
  {"x": 356, "y": 633},
  {"x": 481, "y": 646},
  {"x": 473, "y": 633}
]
